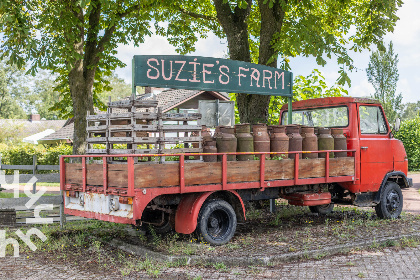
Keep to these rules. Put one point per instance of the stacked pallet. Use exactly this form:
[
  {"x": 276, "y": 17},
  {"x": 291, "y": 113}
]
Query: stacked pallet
[{"x": 139, "y": 127}]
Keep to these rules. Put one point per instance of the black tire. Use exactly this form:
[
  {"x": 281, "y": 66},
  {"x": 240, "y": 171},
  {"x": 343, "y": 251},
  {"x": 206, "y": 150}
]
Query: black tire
[
  {"x": 322, "y": 209},
  {"x": 216, "y": 222},
  {"x": 391, "y": 202}
]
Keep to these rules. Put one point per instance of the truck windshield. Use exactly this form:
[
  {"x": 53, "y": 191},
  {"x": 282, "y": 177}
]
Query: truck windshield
[{"x": 321, "y": 117}]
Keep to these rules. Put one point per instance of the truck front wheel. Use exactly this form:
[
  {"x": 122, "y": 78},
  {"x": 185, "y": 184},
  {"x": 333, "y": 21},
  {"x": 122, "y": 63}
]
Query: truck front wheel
[
  {"x": 391, "y": 202},
  {"x": 216, "y": 222}
]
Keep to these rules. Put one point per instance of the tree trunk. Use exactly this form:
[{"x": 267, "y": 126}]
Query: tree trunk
[
  {"x": 81, "y": 78},
  {"x": 252, "y": 108},
  {"x": 81, "y": 88}
]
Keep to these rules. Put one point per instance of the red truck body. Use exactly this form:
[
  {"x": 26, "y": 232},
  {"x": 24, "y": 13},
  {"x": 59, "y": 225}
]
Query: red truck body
[
  {"x": 209, "y": 197},
  {"x": 377, "y": 154}
]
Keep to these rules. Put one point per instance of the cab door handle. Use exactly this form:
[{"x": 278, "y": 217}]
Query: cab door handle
[{"x": 364, "y": 148}]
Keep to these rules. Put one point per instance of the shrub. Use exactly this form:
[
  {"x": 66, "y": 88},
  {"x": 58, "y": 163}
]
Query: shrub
[
  {"x": 409, "y": 134},
  {"x": 22, "y": 154}
]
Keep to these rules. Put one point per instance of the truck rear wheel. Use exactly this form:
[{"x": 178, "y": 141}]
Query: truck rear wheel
[
  {"x": 322, "y": 209},
  {"x": 216, "y": 222},
  {"x": 391, "y": 202}
]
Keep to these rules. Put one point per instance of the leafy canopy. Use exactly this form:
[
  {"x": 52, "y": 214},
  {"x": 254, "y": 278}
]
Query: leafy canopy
[
  {"x": 48, "y": 34},
  {"x": 13, "y": 92},
  {"x": 322, "y": 29},
  {"x": 309, "y": 87},
  {"x": 382, "y": 73}
]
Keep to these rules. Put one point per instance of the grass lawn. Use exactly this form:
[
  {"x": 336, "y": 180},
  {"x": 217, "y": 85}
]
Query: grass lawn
[{"x": 21, "y": 194}]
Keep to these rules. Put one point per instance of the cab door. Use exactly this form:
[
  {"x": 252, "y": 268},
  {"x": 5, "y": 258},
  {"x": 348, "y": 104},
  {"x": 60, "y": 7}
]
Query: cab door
[{"x": 376, "y": 155}]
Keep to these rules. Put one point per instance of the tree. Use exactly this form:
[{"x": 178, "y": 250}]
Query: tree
[
  {"x": 264, "y": 31},
  {"x": 12, "y": 92},
  {"x": 43, "y": 97},
  {"x": 312, "y": 86},
  {"x": 120, "y": 89},
  {"x": 382, "y": 73},
  {"x": 411, "y": 110},
  {"x": 75, "y": 39}
]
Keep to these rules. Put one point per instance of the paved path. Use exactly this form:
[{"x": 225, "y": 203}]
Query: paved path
[
  {"x": 389, "y": 264},
  {"x": 412, "y": 196}
]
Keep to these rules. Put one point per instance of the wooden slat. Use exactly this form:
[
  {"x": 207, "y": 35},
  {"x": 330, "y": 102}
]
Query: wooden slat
[
  {"x": 146, "y": 151},
  {"x": 97, "y": 117},
  {"x": 94, "y": 174},
  {"x": 174, "y": 127},
  {"x": 312, "y": 168},
  {"x": 342, "y": 166},
  {"x": 99, "y": 128},
  {"x": 243, "y": 171},
  {"x": 279, "y": 169},
  {"x": 120, "y": 151},
  {"x": 25, "y": 178},
  {"x": 73, "y": 173},
  {"x": 203, "y": 173},
  {"x": 182, "y": 150},
  {"x": 48, "y": 167},
  {"x": 145, "y": 116},
  {"x": 181, "y": 116},
  {"x": 149, "y": 176},
  {"x": 133, "y": 103},
  {"x": 119, "y": 116},
  {"x": 181, "y": 139},
  {"x": 146, "y": 140},
  {"x": 121, "y": 140},
  {"x": 96, "y": 151},
  {"x": 117, "y": 175},
  {"x": 96, "y": 140},
  {"x": 145, "y": 127},
  {"x": 115, "y": 127},
  {"x": 17, "y": 167}
]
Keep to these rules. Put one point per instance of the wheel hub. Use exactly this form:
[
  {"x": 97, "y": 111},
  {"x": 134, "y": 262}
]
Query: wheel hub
[
  {"x": 213, "y": 222},
  {"x": 392, "y": 201}
]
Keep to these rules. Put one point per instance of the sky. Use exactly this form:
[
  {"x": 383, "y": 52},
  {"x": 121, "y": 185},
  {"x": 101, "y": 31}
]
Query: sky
[{"x": 406, "y": 40}]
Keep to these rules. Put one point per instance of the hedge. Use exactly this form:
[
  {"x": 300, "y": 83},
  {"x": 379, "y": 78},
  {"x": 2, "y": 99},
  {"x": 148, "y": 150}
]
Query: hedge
[
  {"x": 409, "y": 134},
  {"x": 22, "y": 154}
]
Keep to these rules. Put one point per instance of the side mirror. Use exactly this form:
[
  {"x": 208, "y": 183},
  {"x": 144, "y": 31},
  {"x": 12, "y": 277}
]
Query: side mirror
[{"x": 397, "y": 124}]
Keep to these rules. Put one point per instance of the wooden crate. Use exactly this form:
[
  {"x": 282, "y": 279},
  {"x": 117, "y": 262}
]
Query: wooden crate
[{"x": 141, "y": 131}]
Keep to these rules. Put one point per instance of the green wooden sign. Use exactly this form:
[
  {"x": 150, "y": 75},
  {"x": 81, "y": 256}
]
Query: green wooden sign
[{"x": 208, "y": 73}]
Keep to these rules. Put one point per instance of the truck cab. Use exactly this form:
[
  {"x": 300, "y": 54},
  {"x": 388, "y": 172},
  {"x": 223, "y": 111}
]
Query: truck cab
[{"x": 381, "y": 160}]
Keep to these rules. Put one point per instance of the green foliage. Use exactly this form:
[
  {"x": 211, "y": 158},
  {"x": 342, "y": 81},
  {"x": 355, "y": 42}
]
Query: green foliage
[
  {"x": 119, "y": 89},
  {"x": 410, "y": 111},
  {"x": 12, "y": 92},
  {"x": 382, "y": 73},
  {"x": 43, "y": 96},
  {"x": 312, "y": 86},
  {"x": 409, "y": 134},
  {"x": 77, "y": 44},
  {"x": 322, "y": 29},
  {"x": 22, "y": 154},
  {"x": 11, "y": 131}
]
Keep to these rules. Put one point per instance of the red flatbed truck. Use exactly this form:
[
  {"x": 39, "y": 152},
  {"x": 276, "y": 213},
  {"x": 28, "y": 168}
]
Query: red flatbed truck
[{"x": 209, "y": 197}]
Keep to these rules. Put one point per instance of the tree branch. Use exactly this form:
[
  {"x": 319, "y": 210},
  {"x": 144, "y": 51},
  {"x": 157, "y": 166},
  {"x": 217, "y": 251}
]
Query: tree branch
[
  {"x": 111, "y": 29},
  {"x": 195, "y": 15}
]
